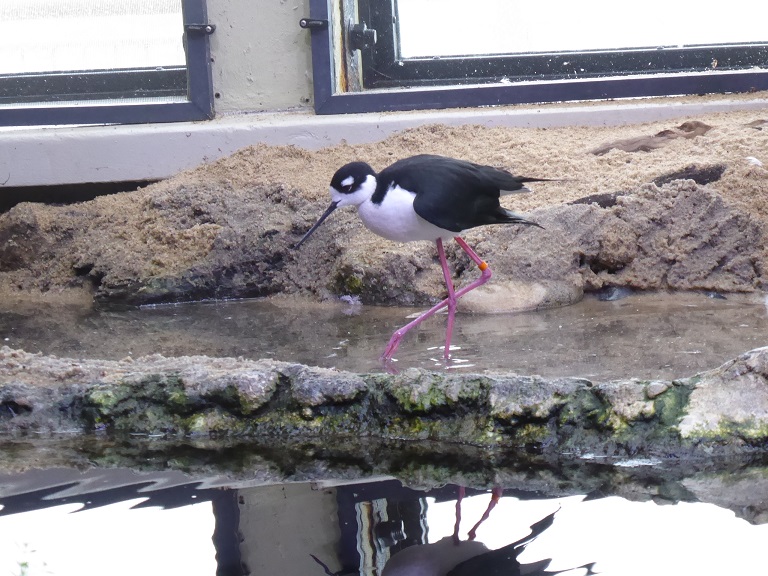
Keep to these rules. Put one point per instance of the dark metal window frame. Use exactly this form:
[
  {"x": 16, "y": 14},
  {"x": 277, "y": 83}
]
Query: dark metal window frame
[
  {"x": 75, "y": 93},
  {"x": 412, "y": 84}
]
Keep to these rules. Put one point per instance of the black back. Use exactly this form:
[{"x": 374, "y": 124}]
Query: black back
[
  {"x": 503, "y": 561},
  {"x": 452, "y": 194}
]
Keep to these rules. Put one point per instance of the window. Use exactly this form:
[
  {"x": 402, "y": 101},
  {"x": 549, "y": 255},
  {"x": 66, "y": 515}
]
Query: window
[
  {"x": 104, "y": 61},
  {"x": 451, "y": 53}
]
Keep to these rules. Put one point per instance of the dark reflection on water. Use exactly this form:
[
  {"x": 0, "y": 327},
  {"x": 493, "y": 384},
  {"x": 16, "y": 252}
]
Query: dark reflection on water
[
  {"x": 121, "y": 522},
  {"x": 643, "y": 336}
]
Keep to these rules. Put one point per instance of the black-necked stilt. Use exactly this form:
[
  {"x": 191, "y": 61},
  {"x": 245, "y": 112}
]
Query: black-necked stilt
[{"x": 427, "y": 197}]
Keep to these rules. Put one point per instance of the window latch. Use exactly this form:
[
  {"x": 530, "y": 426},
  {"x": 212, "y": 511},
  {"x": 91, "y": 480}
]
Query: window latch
[
  {"x": 206, "y": 29},
  {"x": 313, "y": 24},
  {"x": 360, "y": 36}
]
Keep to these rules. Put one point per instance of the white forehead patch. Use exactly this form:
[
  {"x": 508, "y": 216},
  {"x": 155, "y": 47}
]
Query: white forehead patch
[{"x": 348, "y": 181}]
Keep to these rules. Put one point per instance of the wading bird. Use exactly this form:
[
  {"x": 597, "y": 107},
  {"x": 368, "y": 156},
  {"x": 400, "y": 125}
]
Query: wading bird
[{"x": 427, "y": 197}]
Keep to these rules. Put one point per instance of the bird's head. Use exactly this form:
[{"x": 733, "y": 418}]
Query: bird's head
[{"x": 353, "y": 184}]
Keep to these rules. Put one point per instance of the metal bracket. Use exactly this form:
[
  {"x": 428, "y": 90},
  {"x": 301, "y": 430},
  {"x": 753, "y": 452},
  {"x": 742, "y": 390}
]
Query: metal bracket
[
  {"x": 313, "y": 24},
  {"x": 206, "y": 29},
  {"x": 360, "y": 36}
]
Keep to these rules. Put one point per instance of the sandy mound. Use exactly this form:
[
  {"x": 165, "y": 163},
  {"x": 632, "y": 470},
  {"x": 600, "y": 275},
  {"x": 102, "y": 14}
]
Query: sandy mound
[{"x": 226, "y": 229}]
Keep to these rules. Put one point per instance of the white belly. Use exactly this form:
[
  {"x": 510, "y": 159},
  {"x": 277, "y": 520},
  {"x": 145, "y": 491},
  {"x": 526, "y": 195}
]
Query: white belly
[{"x": 395, "y": 219}]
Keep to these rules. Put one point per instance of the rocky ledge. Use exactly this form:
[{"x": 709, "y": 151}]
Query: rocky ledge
[{"x": 722, "y": 411}]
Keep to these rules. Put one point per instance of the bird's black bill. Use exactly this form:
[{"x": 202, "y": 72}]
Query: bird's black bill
[{"x": 322, "y": 218}]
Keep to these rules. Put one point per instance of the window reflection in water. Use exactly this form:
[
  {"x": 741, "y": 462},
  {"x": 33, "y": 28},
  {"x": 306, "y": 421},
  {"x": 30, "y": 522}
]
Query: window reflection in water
[{"x": 164, "y": 522}]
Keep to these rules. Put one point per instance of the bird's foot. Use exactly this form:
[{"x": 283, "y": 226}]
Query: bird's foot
[
  {"x": 394, "y": 343},
  {"x": 495, "y": 496}
]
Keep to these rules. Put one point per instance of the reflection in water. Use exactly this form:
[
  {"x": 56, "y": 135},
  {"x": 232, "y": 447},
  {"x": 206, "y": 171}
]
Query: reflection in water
[
  {"x": 405, "y": 532},
  {"x": 452, "y": 556},
  {"x": 643, "y": 336},
  {"x": 121, "y": 522}
]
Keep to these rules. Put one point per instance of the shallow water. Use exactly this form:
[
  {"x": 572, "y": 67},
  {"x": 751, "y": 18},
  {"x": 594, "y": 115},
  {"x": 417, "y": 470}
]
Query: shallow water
[
  {"x": 118, "y": 521},
  {"x": 643, "y": 336},
  {"x": 122, "y": 522}
]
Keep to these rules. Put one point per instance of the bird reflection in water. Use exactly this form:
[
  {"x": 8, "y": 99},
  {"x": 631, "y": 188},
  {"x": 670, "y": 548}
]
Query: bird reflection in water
[{"x": 452, "y": 556}]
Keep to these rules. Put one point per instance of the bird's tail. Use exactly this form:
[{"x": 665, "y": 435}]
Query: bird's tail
[
  {"x": 521, "y": 182},
  {"x": 524, "y": 179},
  {"x": 515, "y": 218}
]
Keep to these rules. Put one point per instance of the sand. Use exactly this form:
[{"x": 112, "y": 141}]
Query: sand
[{"x": 241, "y": 215}]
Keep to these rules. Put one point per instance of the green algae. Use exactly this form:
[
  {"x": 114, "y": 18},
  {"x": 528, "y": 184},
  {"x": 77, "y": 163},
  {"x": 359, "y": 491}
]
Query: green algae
[
  {"x": 531, "y": 434},
  {"x": 214, "y": 422},
  {"x": 144, "y": 406},
  {"x": 585, "y": 408},
  {"x": 748, "y": 432},
  {"x": 233, "y": 399},
  {"x": 417, "y": 405},
  {"x": 670, "y": 406},
  {"x": 273, "y": 399},
  {"x": 423, "y": 392},
  {"x": 349, "y": 281}
]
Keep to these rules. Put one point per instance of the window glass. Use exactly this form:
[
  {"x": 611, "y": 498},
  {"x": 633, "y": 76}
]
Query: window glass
[
  {"x": 104, "y": 61},
  {"x": 431, "y": 28},
  {"x": 61, "y": 35}
]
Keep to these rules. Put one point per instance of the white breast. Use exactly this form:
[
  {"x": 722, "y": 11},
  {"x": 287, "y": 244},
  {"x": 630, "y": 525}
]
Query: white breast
[{"x": 395, "y": 218}]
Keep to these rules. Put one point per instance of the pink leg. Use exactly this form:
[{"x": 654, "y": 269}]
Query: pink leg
[
  {"x": 451, "y": 298},
  {"x": 495, "y": 495},
  {"x": 456, "y": 538},
  {"x": 394, "y": 342}
]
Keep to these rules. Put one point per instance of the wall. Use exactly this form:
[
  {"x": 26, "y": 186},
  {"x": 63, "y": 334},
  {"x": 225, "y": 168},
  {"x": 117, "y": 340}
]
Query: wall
[
  {"x": 282, "y": 525},
  {"x": 262, "y": 75},
  {"x": 262, "y": 58}
]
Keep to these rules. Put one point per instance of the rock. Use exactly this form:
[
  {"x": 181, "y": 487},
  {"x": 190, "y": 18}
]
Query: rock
[
  {"x": 731, "y": 402},
  {"x": 505, "y": 296},
  {"x": 21, "y": 239},
  {"x": 744, "y": 492},
  {"x": 680, "y": 236},
  {"x": 318, "y": 386},
  {"x": 689, "y": 129},
  {"x": 700, "y": 174},
  {"x": 758, "y": 124},
  {"x": 655, "y": 389},
  {"x": 603, "y": 200},
  {"x": 720, "y": 411}
]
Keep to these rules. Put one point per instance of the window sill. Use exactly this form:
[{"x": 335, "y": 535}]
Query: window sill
[{"x": 49, "y": 156}]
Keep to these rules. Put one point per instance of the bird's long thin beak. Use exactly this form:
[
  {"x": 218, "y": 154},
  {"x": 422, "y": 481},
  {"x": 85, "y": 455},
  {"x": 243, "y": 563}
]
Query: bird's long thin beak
[{"x": 322, "y": 218}]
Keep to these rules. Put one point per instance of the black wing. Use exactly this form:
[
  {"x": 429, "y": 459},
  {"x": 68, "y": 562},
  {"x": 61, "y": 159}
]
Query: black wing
[{"x": 453, "y": 194}]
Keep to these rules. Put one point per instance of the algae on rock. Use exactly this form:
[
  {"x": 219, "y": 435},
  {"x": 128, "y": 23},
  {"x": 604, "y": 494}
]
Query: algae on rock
[{"x": 236, "y": 397}]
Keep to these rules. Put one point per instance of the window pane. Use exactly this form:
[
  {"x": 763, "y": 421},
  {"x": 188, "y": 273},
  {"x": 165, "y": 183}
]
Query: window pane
[
  {"x": 461, "y": 27},
  {"x": 63, "y": 35}
]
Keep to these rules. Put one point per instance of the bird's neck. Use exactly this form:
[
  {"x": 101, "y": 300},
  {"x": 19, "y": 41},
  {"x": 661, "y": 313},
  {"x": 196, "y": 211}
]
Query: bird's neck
[{"x": 365, "y": 192}]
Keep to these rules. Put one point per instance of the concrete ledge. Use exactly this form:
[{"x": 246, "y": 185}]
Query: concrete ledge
[{"x": 74, "y": 155}]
